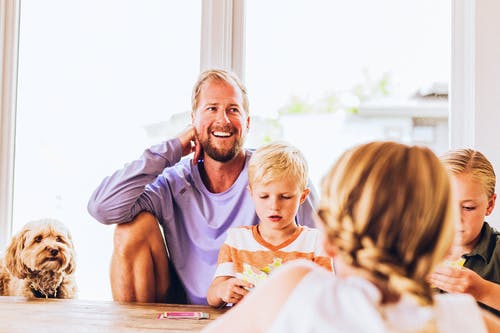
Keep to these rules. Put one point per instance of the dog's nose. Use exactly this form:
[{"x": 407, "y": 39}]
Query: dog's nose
[{"x": 54, "y": 252}]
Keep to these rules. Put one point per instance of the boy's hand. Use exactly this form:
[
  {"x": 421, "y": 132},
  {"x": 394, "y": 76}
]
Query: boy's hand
[
  {"x": 457, "y": 280},
  {"x": 233, "y": 290}
]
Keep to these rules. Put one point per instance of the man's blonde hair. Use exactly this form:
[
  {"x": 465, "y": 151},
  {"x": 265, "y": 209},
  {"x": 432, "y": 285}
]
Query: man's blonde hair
[
  {"x": 387, "y": 209},
  {"x": 276, "y": 161},
  {"x": 474, "y": 163},
  {"x": 218, "y": 75}
]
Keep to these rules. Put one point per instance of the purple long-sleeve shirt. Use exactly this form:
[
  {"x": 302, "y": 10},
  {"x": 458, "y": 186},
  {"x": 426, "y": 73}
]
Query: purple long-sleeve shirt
[{"x": 194, "y": 220}]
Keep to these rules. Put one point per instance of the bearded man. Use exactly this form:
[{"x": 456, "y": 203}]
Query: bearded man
[{"x": 172, "y": 213}]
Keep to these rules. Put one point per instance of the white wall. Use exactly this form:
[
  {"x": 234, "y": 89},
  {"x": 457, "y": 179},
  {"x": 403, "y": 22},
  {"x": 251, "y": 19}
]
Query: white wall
[
  {"x": 487, "y": 80},
  {"x": 487, "y": 87}
]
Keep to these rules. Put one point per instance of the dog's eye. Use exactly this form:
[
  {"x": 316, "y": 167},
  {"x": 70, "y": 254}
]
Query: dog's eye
[
  {"x": 59, "y": 239},
  {"x": 38, "y": 239}
]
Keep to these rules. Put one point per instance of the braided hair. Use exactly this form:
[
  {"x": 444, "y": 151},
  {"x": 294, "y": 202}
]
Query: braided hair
[{"x": 387, "y": 209}]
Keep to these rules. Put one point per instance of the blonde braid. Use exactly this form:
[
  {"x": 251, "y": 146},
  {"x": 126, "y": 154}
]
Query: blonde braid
[{"x": 387, "y": 209}]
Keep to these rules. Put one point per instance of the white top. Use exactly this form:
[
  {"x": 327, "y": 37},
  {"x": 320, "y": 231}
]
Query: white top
[{"x": 321, "y": 303}]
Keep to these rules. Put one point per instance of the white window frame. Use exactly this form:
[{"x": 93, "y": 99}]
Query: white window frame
[
  {"x": 461, "y": 111},
  {"x": 223, "y": 35},
  {"x": 9, "y": 34}
]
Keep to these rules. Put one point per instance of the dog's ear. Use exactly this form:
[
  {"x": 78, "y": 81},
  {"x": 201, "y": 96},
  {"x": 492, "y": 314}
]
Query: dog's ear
[
  {"x": 13, "y": 260},
  {"x": 70, "y": 269}
]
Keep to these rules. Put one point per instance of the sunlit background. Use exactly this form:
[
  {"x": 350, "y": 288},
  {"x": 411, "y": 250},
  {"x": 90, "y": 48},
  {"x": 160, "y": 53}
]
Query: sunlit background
[{"x": 100, "y": 81}]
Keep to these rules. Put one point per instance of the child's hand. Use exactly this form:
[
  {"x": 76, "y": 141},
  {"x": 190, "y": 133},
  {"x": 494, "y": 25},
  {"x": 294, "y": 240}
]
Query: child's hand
[
  {"x": 233, "y": 290},
  {"x": 457, "y": 280}
]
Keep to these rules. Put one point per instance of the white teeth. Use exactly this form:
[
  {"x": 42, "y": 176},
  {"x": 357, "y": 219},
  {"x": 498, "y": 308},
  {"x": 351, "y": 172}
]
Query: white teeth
[{"x": 224, "y": 134}]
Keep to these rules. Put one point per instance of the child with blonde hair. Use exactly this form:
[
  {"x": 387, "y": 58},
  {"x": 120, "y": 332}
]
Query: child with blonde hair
[
  {"x": 277, "y": 181},
  {"x": 477, "y": 244},
  {"x": 387, "y": 214}
]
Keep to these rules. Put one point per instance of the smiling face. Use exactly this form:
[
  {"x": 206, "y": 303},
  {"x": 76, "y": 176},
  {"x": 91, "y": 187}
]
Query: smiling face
[
  {"x": 474, "y": 204},
  {"x": 276, "y": 203},
  {"x": 220, "y": 120}
]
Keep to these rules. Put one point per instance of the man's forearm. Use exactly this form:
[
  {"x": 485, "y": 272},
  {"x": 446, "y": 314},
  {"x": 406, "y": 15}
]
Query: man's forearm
[{"x": 116, "y": 198}]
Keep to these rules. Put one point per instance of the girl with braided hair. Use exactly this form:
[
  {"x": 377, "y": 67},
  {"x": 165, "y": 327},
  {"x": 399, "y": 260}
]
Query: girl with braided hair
[{"x": 387, "y": 216}]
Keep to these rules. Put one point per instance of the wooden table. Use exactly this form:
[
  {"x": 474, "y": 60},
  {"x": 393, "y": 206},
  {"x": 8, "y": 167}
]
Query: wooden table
[{"x": 19, "y": 314}]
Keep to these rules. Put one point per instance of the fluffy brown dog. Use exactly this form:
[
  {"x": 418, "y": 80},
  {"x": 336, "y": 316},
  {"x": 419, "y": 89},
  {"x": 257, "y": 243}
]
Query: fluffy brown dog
[{"x": 39, "y": 262}]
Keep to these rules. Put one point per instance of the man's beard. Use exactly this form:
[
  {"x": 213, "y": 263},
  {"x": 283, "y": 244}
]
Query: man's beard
[{"x": 220, "y": 154}]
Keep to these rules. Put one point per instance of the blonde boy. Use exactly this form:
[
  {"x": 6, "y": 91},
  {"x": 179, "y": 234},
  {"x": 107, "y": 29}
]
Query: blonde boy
[
  {"x": 277, "y": 181},
  {"x": 477, "y": 244}
]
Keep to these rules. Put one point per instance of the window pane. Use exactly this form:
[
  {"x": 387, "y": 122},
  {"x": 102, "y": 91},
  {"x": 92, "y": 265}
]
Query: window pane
[
  {"x": 95, "y": 77},
  {"x": 337, "y": 73}
]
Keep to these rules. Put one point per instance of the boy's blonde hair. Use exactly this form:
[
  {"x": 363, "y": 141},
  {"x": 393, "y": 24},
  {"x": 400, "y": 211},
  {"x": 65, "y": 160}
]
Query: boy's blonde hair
[
  {"x": 218, "y": 75},
  {"x": 275, "y": 161},
  {"x": 474, "y": 163},
  {"x": 387, "y": 209}
]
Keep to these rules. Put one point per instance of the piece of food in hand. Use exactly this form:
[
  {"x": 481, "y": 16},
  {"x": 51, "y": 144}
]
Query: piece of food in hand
[
  {"x": 252, "y": 275},
  {"x": 455, "y": 263},
  {"x": 255, "y": 275},
  {"x": 272, "y": 266}
]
